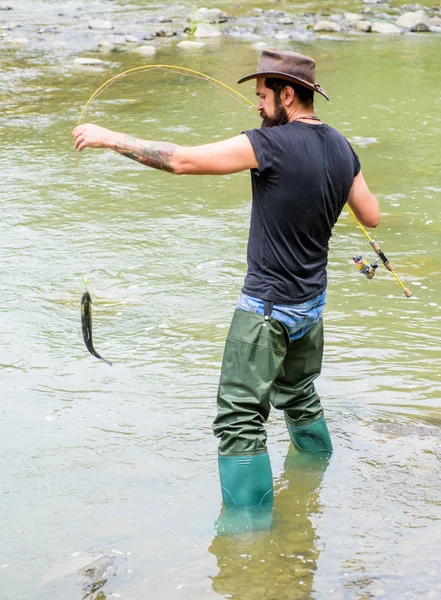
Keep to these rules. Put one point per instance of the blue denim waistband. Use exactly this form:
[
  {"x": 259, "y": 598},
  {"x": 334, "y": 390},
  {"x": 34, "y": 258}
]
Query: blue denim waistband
[{"x": 297, "y": 318}]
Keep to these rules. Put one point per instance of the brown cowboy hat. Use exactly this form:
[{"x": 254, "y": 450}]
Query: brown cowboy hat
[{"x": 291, "y": 66}]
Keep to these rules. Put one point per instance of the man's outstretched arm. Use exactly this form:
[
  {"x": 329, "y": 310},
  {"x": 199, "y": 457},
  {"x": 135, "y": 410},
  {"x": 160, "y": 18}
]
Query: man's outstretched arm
[{"x": 229, "y": 156}]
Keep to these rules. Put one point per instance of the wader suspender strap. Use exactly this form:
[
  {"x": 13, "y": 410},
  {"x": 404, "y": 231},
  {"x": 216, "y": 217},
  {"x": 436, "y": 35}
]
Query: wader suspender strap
[{"x": 267, "y": 309}]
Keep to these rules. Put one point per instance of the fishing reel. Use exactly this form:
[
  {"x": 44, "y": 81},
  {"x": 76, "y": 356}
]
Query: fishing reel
[{"x": 364, "y": 267}]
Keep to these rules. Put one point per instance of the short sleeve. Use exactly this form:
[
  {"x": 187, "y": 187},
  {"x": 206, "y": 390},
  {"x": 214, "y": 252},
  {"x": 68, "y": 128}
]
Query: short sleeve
[
  {"x": 357, "y": 165},
  {"x": 261, "y": 143}
]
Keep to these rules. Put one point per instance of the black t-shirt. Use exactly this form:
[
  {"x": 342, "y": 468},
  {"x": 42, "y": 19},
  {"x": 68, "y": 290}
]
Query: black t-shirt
[{"x": 303, "y": 181}]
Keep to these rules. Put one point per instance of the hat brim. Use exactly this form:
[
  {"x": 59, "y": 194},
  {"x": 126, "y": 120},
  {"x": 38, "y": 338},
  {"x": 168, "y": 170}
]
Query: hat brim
[{"x": 306, "y": 84}]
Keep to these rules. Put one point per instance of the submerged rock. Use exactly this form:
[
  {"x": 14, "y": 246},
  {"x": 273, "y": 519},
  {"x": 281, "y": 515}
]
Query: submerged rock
[
  {"x": 88, "y": 61},
  {"x": 145, "y": 50},
  {"x": 415, "y": 21},
  {"x": 99, "y": 571},
  {"x": 189, "y": 45}
]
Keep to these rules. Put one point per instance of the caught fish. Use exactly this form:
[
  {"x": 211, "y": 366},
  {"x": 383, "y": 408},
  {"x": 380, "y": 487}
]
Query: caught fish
[{"x": 86, "y": 324}]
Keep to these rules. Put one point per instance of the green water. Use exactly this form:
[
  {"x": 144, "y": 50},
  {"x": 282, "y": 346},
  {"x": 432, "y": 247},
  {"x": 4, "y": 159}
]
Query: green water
[{"x": 121, "y": 461}]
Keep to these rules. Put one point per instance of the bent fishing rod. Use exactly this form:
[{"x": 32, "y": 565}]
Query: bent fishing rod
[{"x": 363, "y": 266}]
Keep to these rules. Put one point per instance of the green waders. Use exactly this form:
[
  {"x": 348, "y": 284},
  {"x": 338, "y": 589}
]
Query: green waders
[{"x": 262, "y": 368}]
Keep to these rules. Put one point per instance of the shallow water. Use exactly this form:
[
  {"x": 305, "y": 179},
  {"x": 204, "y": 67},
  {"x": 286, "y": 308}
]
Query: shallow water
[{"x": 121, "y": 461}]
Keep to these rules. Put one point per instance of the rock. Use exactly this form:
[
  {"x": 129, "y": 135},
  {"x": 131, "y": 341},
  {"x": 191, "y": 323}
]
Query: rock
[
  {"x": 413, "y": 7},
  {"x": 204, "y": 30},
  {"x": 100, "y": 24},
  {"x": 213, "y": 15},
  {"x": 4, "y": 7},
  {"x": 105, "y": 46},
  {"x": 258, "y": 11},
  {"x": 164, "y": 32},
  {"x": 435, "y": 21},
  {"x": 100, "y": 570},
  {"x": 415, "y": 21},
  {"x": 352, "y": 17},
  {"x": 385, "y": 28},
  {"x": 18, "y": 41},
  {"x": 200, "y": 15},
  {"x": 145, "y": 50},
  {"x": 327, "y": 26},
  {"x": 216, "y": 15},
  {"x": 132, "y": 39},
  {"x": 275, "y": 13},
  {"x": 88, "y": 61},
  {"x": 285, "y": 21},
  {"x": 188, "y": 45},
  {"x": 362, "y": 25},
  {"x": 282, "y": 35},
  {"x": 260, "y": 45},
  {"x": 164, "y": 20}
]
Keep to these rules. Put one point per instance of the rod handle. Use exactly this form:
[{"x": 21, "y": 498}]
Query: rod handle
[{"x": 407, "y": 292}]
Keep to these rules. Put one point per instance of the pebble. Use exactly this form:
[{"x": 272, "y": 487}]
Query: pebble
[{"x": 132, "y": 39}]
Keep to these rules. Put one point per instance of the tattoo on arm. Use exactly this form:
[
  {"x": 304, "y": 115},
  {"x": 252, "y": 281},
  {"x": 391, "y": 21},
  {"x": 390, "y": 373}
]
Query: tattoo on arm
[{"x": 157, "y": 155}]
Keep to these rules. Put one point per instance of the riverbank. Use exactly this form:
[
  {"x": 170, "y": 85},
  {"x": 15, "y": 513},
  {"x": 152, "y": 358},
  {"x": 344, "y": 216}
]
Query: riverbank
[{"x": 88, "y": 35}]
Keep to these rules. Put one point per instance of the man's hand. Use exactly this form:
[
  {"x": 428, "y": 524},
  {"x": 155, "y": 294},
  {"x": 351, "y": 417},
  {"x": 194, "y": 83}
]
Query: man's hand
[{"x": 92, "y": 136}]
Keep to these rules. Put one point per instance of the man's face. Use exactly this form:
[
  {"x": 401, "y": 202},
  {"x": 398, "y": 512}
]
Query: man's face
[{"x": 269, "y": 105}]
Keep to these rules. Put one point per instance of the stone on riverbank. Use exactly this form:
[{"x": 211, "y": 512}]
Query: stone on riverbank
[
  {"x": 105, "y": 46},
  {"x": 327, "y": 26},
  {"x": 189, "y": 45},
  {"x": 18, "y": 41},
  {"x": 415, "y": 21},
  {"x": 131, "y": 39},
  {"x": 101, "y": 24},
  {"x": 435, "y": 21},
  {"x": 211, "y": 15},
  {"x": 145, "y": 50},
  {"x": 385, "y": 28},
  {"x": 165, "y": 32},
  {"x": 362, "y": 25},
  {"x": 204, "y": 30},
  {"x": 352, "y": 17}
]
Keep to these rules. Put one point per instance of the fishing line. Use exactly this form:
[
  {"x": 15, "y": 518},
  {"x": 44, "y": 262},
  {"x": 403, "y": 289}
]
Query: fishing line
[{"x": 369, "y": 271}]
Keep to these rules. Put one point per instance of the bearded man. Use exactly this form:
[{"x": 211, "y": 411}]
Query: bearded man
[{"x": 302, "y": 172}]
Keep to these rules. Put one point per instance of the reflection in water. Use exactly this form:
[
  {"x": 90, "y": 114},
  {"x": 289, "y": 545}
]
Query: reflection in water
[{"x": 282, "y": 562}]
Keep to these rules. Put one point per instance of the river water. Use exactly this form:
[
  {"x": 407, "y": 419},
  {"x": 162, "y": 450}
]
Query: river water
[{"x": 120, "y": 461}]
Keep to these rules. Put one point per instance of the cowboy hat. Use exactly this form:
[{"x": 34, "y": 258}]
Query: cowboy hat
[{"x": 291, "y": 66}]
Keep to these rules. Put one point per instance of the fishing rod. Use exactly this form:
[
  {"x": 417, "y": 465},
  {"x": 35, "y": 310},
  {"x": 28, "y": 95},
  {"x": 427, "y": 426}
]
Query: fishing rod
[{"x": 364, "y": 267}]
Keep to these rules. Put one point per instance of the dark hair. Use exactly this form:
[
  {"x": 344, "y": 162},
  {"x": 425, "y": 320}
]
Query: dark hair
[{"x": 304, "y": 94}]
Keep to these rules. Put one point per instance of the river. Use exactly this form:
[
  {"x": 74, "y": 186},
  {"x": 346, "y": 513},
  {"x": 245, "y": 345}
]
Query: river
[{"x": 121, "y": 461}]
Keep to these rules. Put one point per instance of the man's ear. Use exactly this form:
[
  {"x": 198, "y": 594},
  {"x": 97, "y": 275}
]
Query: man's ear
[{"x": 287, "y": 95}]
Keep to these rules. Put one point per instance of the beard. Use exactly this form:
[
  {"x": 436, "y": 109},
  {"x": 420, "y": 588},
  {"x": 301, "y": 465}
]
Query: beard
[{"x": 279, "y": 117}]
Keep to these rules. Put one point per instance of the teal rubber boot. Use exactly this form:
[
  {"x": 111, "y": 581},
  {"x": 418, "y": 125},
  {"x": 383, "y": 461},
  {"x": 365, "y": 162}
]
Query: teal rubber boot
[
  {"x": 314, "y": 437},
  {"x": 247, "y": 493}
]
